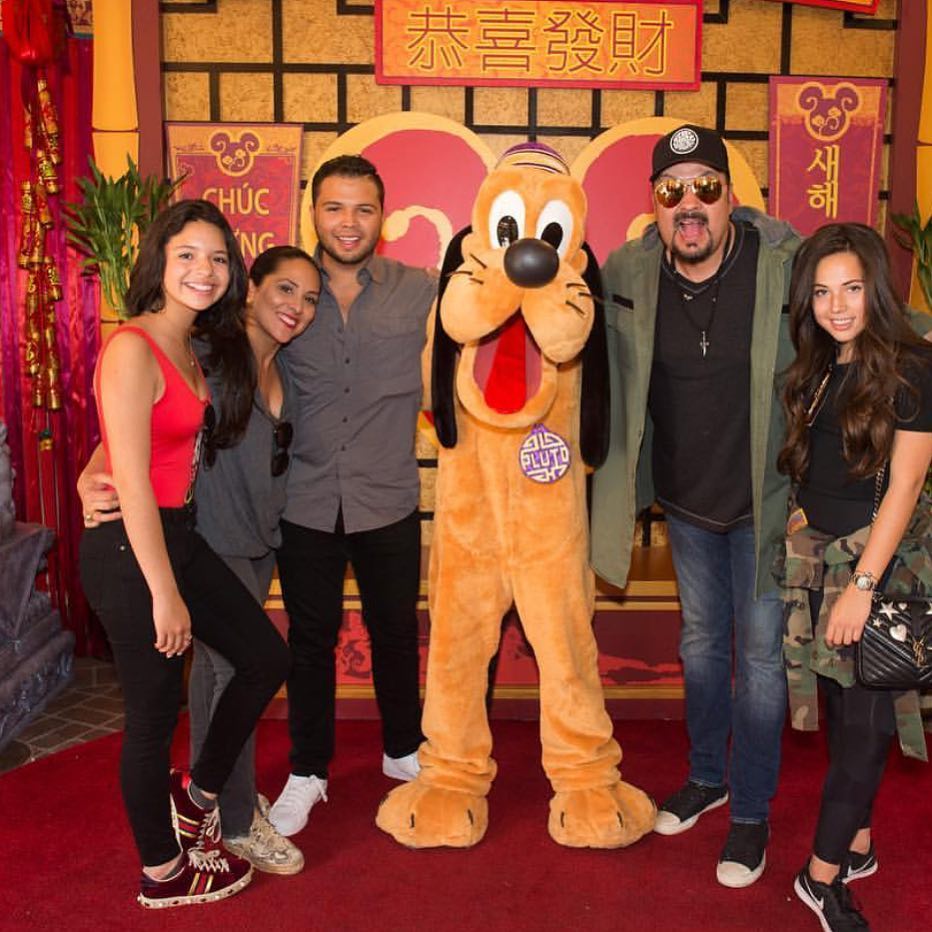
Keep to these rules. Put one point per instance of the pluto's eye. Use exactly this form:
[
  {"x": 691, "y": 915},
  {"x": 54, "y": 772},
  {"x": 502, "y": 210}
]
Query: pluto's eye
[
  {"x": 507, "y": 231},
  {"x": 555, "y": 226},
  {"x": 553, "y": 234},
  {"x": 506, "y": 219}
]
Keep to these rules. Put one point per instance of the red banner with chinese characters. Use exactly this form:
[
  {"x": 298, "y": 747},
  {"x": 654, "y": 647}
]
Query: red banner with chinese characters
[
  {"x": 853, "y": 6},
  {"x": 826, "y": 140},
  {"x": 602, "y": 43},
  {"x": 251, "y": 171}
]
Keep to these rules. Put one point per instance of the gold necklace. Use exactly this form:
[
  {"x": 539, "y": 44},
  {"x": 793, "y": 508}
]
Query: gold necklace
[{"x": 815, "y": 406}]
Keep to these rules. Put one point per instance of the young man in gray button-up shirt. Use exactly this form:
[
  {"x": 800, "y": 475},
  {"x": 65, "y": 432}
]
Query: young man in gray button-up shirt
[{"x": 353, "y": 485}]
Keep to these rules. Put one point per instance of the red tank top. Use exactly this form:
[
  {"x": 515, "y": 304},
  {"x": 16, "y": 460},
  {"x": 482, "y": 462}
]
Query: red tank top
[{"x": 176, "y": 422}]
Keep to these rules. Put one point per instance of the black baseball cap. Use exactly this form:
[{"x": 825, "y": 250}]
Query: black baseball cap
[{"x": 690, "y": 143}]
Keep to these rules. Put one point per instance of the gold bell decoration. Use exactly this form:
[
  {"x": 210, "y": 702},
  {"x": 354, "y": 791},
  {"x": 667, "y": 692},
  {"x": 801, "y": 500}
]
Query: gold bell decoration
[
  {"x": 52, "y": 281},
  {"x": 30, "y": 231},
  {"x": 43, "y": 282}
]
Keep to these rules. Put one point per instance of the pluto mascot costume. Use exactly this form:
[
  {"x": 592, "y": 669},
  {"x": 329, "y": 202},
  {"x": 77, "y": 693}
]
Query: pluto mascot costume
[{"x": 520, "y": 398}]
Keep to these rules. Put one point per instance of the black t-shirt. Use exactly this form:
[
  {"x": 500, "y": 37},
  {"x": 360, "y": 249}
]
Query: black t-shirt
[
  {"x": 833, "y": 502},
  {"x": 700, "y": 403}
]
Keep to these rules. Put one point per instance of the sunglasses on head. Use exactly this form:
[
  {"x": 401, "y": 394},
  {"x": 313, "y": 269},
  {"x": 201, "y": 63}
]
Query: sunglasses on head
[
  {"x": 670, "y": 191},
  {"x": 282, "y": 435}
]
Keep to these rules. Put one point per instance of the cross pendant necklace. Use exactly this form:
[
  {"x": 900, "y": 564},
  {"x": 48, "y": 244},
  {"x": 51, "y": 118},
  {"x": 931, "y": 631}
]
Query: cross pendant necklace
[
  {"x": 704, "y": 328},
  {"x": 712, "y": 286}
]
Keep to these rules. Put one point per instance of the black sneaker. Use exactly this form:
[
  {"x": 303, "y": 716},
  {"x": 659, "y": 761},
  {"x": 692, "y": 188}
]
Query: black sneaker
[
  {"x": 831, "y": 902},
  {"x": 857, "y": 866},
  {"x": 682, "y": 810},
  {"x": 744, "y": 856}
]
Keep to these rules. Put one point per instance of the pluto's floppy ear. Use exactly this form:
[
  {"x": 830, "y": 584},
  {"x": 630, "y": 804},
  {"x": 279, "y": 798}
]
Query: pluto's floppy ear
[
  {"x": 443, "y": 359},
  {"x": 593, "y": 410}
]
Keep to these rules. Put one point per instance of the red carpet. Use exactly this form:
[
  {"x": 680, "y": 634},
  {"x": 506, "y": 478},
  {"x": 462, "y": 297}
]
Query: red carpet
[{"x": 67, "y": 861}]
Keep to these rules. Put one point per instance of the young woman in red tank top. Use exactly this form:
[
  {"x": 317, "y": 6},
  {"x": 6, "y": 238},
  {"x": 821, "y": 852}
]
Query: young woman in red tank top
[{"x": 151, "y": 579}]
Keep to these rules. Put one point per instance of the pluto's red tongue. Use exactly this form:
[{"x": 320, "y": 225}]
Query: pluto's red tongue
[{"x": 505, "y": 388}]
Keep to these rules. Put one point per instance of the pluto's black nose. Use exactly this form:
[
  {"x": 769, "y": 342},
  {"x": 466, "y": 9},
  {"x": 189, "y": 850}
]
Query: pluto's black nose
[{"x": 531, "y": 263}]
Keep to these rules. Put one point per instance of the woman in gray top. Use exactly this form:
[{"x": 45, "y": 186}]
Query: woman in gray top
[{"x": 240, "y": 495}]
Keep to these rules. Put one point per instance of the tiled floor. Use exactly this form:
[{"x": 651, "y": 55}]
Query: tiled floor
[{"x": 91, "y": 706}]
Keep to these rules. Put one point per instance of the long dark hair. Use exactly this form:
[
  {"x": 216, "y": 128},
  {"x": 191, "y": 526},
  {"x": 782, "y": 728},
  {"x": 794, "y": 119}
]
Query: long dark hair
[
  {"x": 222, "y": 325},
  {"x": 885, "y": 352},
  {"x": 230, "y": 356},
  {"x": 145, "y": 294}
]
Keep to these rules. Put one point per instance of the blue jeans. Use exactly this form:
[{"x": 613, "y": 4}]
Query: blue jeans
[{"x": 715, "y": 574}]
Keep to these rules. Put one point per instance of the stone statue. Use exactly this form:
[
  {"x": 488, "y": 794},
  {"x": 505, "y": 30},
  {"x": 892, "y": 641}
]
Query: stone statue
[
  {"x": 7, "y": 514},
  {"x": 35, "y": 651}
]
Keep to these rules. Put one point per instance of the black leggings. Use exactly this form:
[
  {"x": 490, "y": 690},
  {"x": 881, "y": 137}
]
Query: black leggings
[
  {"x": 224, "y": 616},
  {"x": 861, "y": 723}
]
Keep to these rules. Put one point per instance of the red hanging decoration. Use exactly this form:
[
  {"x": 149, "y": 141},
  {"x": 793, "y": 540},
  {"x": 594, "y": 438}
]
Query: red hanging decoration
[{"x": 28, "y": 28}]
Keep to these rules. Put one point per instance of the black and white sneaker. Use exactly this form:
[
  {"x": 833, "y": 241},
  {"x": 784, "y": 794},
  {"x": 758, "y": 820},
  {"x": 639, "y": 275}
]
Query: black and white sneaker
[
  {"x": 857, "y": 866},
  {"x": 744, "y": 856},
  {"x": 682, "y": 810},
  {"x": 831, "y": 902}
]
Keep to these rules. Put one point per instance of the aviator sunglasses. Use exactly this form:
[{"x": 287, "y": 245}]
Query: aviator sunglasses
[
  {"x": 670, "y": 191},
  {"x": 282, "y": 435}
]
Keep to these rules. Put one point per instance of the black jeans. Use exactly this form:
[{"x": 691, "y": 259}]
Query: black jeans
[
  {"x": 224, "y": 616},
  {"x": 861, "y": 724},
  {"x": 312, "y": 566}
]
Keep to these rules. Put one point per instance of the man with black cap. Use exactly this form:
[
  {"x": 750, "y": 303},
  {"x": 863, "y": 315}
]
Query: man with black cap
[{"x": 696, "y": 334}]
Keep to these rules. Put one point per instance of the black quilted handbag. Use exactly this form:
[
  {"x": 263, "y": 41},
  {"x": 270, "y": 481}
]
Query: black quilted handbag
[{"x": 895, "y": 650}]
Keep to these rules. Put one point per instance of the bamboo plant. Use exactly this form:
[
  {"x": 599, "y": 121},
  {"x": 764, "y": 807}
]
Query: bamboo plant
[
  {"x": 106, "y": 225},
  {"x": 920, "y": 243}
]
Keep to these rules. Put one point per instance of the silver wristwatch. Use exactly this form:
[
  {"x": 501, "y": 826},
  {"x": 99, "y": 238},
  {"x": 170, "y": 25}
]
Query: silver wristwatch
[{"x": 865, "y": 581}]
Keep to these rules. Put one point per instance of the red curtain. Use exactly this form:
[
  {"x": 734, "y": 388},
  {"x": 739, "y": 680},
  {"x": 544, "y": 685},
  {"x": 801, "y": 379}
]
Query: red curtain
[{"x": 49, "y": 447}]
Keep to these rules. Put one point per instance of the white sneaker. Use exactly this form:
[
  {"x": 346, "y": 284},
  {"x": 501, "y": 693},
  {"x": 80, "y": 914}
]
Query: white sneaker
[
  {"x": 289, "y": 814},
  {"x": 401, "y": 768}
]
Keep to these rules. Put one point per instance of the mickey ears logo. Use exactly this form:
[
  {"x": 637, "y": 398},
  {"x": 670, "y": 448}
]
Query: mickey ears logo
[
  {"x": 684, "y": 141},
  {"x": 828, "y": 109},
  {"x": 234, "y": 156}
]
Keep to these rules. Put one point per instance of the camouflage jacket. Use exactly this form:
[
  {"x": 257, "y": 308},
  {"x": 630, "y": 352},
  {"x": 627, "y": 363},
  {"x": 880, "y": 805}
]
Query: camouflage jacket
[{"x": 817, "y": 561}]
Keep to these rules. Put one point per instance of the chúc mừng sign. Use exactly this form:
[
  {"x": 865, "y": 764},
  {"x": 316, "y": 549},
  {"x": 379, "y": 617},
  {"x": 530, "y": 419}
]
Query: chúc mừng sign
[{"x": 251, "y": 171}]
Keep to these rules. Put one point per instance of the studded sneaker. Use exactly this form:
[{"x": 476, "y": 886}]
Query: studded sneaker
[
  {"x": 266, "y": 849},
  {"x": 289, "y": 814},
  {"x": 205, "y": 876},
  {"x": 833, "y": 904},
  {"x": 682, "y": 810},
  {"x": 744, "y": 856},
  {"x": 856, "y": 866},
  {"x": 194, "y": 826}
]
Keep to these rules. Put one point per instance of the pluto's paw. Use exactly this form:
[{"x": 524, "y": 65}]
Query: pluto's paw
[
  {"x": 422, "y": 816},
  {"x": 603, "y": 817}
]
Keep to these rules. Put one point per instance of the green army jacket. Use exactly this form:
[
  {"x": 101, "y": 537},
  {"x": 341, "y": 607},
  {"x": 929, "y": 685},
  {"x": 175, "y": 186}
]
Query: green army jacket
[
  {"x": 624, "y": 485},
  {"x": 817, "y": 561}
]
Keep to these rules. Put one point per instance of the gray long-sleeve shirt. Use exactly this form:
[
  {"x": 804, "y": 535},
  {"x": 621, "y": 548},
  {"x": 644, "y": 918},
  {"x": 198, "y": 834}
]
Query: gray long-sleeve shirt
[
  {"x": 358, "y": 393},
  {"x": 239, "y": 501}
]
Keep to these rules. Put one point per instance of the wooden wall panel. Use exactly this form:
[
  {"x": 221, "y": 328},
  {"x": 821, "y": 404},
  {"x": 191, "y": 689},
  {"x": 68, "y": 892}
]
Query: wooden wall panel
[{"x": 311, "y": 61}]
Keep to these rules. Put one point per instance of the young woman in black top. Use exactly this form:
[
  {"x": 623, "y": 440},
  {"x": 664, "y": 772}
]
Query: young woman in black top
[{"x": 859, "y": 402}]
